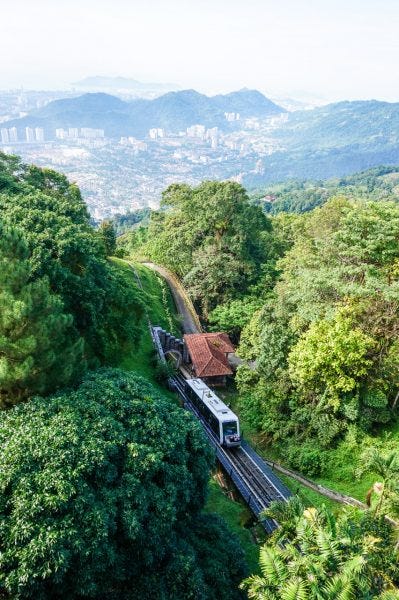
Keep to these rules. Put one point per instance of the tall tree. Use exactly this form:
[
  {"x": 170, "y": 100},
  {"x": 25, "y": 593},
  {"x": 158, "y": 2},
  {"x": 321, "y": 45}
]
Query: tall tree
[
  {"x": 108, "y": 236},
  {"x": 212, "y": 236},
  {"x": 40, "y": 349},
  {"x": 65, "y": 248}
]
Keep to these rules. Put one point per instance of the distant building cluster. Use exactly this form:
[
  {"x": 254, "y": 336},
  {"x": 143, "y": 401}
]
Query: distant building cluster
[
  {"x": 74, "y": 133},
  {"x": 196, "y": 131},
  {"x": 32, "y": 135}
]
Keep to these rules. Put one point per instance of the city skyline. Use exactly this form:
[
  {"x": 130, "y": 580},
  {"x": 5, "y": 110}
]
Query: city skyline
[{"x": 332, "y": 49}]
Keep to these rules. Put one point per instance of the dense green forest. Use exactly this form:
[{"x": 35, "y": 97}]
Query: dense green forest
[
  {"x": 102, "y": 491},
  {"x": 312, "y": 300},
  {"x": 379, "y": 183},
  {"x": 103, "y": 477},
  {"x": 128, "y": 221}
]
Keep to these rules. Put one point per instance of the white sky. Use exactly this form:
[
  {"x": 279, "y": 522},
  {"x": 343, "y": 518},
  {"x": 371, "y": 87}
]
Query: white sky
[{"x": 332, "y": 48}]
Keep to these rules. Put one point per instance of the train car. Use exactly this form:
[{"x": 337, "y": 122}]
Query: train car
[{"x": 223, "y": 422}]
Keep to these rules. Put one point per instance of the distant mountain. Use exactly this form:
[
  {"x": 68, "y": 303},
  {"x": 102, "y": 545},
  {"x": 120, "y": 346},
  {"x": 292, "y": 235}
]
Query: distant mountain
[
  {"x": 342, "y": 124},
  {"x": 331, "y": 141},
  {"x": 328, "y": 141},
  {"x": 102, "y": 83},
  {"x": 248, "y": 103},
  {"x": 174, "y": 111}
]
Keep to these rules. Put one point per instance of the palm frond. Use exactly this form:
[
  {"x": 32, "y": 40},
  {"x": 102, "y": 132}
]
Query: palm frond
[
  {"x": 338, "y": 589},
  {"x": 389, "y": 595},
  {"x": 272, "y": 565},
  {"x": 296, "y": 589},
  {"x": 256, "y": 587}
]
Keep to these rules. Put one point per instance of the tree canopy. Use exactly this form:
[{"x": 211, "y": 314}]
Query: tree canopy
[
  {"x": 53, "y": 220},
  {"x": 317, "y": 555},
  {"x": 211, "y": 236},
  {"x": 325, "y": 342},
  {"x": 101, "y": 497}
]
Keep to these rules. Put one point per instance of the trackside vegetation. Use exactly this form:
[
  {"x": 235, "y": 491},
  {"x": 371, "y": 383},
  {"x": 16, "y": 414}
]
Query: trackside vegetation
[{"x": 312, "y": 300}]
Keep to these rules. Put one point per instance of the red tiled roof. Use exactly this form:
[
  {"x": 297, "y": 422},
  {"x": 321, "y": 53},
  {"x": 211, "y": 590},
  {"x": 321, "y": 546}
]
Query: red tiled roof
[{"x": 208, "y": 353}]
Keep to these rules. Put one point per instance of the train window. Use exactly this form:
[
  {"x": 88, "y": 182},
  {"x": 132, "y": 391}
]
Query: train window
[
  {"x": 229, "y": 428},
  {"x": 214, "y": 424}
]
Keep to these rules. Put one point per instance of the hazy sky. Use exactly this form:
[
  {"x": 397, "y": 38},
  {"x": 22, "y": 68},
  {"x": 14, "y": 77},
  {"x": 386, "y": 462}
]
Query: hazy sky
[{"x": 332, "y": 48}]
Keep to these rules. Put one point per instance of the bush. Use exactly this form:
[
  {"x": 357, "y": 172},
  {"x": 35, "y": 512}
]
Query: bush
[{"x": 306, "y": 459}]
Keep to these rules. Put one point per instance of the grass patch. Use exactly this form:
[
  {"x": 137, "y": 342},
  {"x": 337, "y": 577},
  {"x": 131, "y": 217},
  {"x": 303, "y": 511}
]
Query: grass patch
[
  {"x": 161, "y": 310},
  {"x": 235, "y": 514},
  {"x": 308, "y": 496},
  {"x": 159, "y": 300}
]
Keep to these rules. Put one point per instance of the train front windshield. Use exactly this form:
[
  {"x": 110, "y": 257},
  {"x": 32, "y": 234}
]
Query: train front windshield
[{"x": 230, "y": 428}]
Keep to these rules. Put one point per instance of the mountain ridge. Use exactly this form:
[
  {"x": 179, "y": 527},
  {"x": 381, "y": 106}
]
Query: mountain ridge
[{"x": 172, "y": 111}]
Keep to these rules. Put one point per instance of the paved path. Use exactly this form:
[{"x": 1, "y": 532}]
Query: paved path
[{"x": 185, "y": 308}]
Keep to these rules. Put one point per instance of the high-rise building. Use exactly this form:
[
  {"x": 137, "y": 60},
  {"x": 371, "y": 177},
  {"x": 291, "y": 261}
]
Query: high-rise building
[
  {"x": 13, "y": 134},
  {"x": 4, "y": 136},
  {"x": 73, "y": 132},
  {"x": 213, "y": 136},
  {"x": 39, "y": 133},
  {"x": 156, "y": 132},
  {"x": 30, "y": 134},
  {"x": 61, "y": 134}
]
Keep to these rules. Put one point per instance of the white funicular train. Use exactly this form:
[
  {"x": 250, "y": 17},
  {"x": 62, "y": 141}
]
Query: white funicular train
[{"x": 223, "y": 422}]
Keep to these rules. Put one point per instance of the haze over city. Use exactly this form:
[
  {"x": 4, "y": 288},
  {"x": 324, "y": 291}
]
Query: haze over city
[{"x": 333, "y": 49}]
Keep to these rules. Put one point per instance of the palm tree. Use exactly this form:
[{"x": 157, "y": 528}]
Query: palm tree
[
  {"x": 286, "y": 514},
  {"x": 326, "y": 558}
]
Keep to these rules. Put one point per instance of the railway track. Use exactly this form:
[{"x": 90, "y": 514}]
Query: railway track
[{"x": 254, "y": 479}]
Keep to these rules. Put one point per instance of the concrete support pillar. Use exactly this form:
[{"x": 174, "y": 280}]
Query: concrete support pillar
[
  {"x": 161, "y": 335},
  {"x": 166, "y": 343}
]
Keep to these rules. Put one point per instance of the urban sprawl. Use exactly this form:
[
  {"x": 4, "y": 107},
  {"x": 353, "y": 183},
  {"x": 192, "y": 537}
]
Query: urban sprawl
[{"x": 120, "y": 175}]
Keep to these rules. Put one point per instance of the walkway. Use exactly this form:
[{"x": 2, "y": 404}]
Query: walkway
[{"x": 185, "y": 308}]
